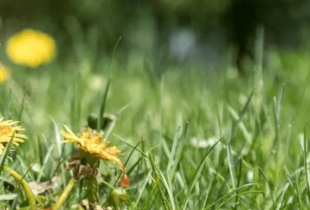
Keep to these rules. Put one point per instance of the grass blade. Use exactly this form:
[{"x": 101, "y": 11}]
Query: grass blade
[
  {"x": 242, "y": 193},
  {"x": 242, "y": 127},
  {"x": 45, "y": 162},
  {"x": 109, "y": 131},
  {"x": 128, "y": 160},
  {"x": 298, "y": 193},
  {"x": 169, "y": 191},
  {"x": 219, "y": 200},
  {"x": 8, "y": 197},
  {"x": 235, "y": 127},
  {"x": 270, "y": 189},
  {"x": 134, "y": 166},
  {"x": 146, "y": 203},
  {"x": 178, "y": 152},
  {"x": 238, "y": 181},
  {"x": 122, "y": 140},
  {"x": 102, "y": 106},
  {"x": 6, "y": 153},
  {"x": 280, "y": 102},
  {"x": 162, "y": 141},
  {"x": 114, "y": 50},
  {"x": 305, "y": 160},
  {"x": 10, "y": 105},
  {"x": 198, "y": 172},
  {"x": 22, "y": 108},
  {"x": 162, "y": 194},
  {"x": 171, "y": 161},
  {"x": 208, "y": 191},
  {"x": 231, "y": 166},
  {"x": 143, "y": 187}
]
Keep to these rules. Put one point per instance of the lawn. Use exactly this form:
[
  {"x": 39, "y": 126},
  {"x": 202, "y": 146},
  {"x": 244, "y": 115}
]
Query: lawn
[{"x": 191, "y": 137}]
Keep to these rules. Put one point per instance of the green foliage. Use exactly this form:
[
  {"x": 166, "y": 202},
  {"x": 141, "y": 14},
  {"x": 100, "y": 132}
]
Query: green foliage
[{"x": 167, "y": 132}]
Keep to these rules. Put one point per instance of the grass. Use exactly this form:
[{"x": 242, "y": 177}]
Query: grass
[{"x": 253, "y": 140}]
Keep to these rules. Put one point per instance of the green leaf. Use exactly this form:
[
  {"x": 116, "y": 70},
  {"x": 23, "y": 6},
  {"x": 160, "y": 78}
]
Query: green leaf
[
  {"x": 7, "y": 197},
  {"x": 102, "y": 106},
  {"x": 6, "y": 153}
]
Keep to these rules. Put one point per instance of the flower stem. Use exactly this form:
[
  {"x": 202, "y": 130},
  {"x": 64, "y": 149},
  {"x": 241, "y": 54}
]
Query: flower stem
[
  {"x": 64, "y": 195},
  {"x": 29, "y": 194}
]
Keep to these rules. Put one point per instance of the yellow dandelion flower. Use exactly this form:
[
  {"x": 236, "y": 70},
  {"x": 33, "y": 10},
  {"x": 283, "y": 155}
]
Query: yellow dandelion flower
[
  {"x": 31, "y": 48},
  {"x": 96, "y": 146},
  {"x": 6, "y": 132},
  {"x": 4, "y": 74}
]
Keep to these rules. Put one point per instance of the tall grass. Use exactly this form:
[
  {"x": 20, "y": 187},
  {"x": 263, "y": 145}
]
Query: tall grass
[{"x": 191, "y": 138}]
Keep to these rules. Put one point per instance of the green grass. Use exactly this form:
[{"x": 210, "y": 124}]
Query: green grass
[{"x": 254, "y": 128}]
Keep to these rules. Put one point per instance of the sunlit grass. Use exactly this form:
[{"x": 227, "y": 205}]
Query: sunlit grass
[{"x": 250, "y": 150}]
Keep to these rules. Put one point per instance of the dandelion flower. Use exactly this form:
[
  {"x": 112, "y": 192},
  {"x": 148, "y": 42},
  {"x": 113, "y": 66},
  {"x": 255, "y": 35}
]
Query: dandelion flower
[
  {"x": 7, "y": 129},
  {"x": 96, "y": 146},
  {"x": 31, "y": 48},
  {"x": 4, "y": 74}
]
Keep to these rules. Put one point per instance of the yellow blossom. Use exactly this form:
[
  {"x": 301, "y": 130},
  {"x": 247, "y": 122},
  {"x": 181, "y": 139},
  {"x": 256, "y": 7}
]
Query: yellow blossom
[
  {"x": 96, "y": 146},
  {"x": 7, "y": 129},
  {"x": 4, "y": 74},
  {"x": 31, "y": 48}
]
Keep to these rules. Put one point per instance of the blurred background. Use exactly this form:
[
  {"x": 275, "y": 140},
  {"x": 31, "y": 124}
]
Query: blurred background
[{"x": 168, "y": 31}]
